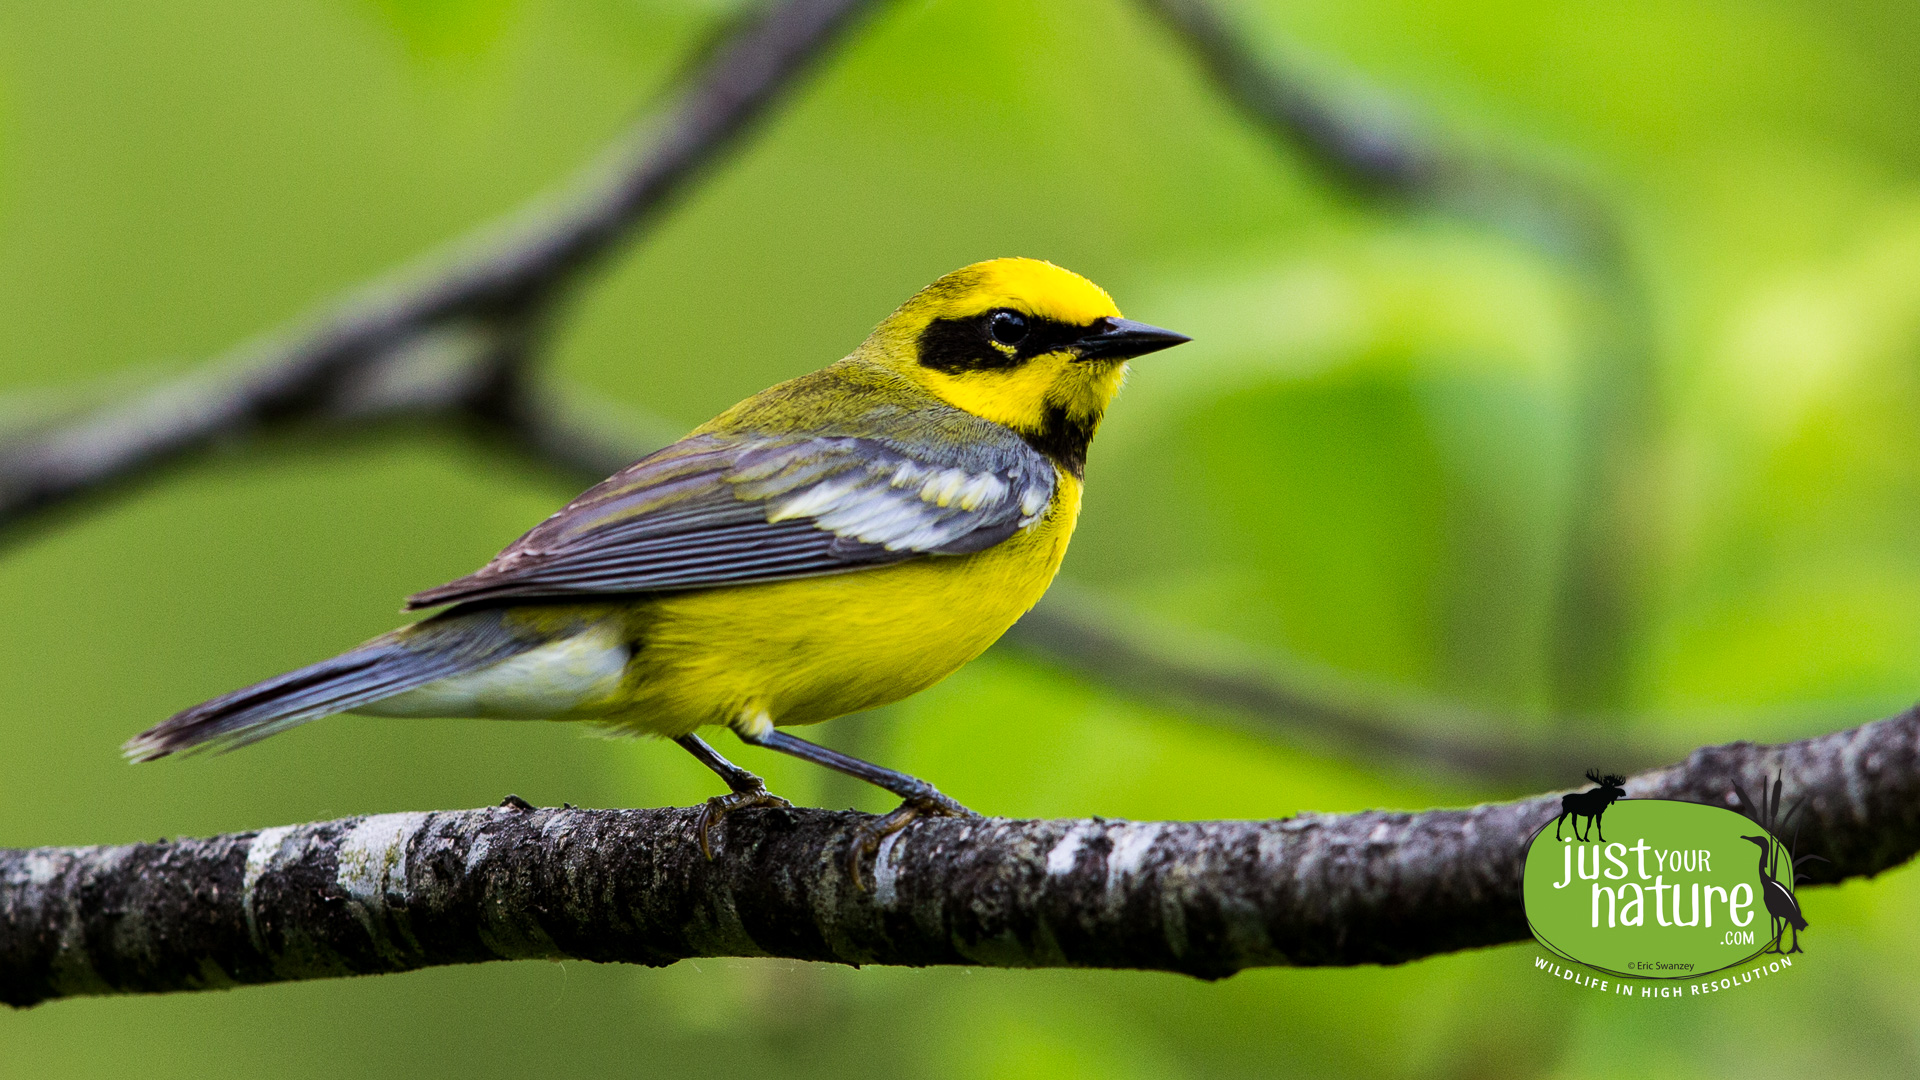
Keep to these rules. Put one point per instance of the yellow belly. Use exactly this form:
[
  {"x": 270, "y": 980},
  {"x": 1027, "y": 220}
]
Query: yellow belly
[{"x": 799, "y": 652}]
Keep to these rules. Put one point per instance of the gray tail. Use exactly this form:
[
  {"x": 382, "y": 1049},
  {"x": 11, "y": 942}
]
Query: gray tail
[{"x": 393, "y": 663}]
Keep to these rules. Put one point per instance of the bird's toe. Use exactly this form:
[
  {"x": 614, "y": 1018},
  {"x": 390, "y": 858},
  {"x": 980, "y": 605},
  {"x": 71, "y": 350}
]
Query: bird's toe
[
  {"x": 869, "y": 835},
  {"x": 715, "y": 811}
]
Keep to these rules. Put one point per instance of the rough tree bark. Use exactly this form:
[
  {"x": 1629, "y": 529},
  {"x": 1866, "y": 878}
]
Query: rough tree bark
[{"x": 398, "y": 892}]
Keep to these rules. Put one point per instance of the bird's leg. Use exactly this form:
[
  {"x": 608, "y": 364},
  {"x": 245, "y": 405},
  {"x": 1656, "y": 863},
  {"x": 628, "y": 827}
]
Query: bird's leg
[
  {"x": 746, "y": 790},
  {"x": 919, "y": 797}
]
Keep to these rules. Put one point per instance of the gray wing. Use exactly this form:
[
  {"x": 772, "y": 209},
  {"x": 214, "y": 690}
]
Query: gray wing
[{"x": 722, "y": 510}]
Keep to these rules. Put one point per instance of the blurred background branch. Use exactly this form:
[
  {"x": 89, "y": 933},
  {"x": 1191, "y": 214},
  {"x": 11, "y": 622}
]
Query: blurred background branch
[
  {"x": 1374, "y": 149},
  {"x": 1318, "y": 709},
  {"x": 453, "y": 337},
  {"x": 455, "y": 340}
]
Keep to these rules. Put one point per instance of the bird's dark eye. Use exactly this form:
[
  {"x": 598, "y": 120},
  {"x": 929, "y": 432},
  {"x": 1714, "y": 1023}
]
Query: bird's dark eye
[{"x": 1008, "y": 327}]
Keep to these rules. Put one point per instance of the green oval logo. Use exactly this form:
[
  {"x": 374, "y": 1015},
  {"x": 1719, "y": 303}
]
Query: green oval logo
[{"x": 1668, "y": 890}]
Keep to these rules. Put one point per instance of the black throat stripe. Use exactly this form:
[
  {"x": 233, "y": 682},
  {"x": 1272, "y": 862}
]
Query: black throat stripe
[{"x": 1063, "y": 439}]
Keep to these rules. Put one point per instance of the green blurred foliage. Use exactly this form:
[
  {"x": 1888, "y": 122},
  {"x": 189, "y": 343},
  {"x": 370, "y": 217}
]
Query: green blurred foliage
[{"x": 1365, "y": 460}]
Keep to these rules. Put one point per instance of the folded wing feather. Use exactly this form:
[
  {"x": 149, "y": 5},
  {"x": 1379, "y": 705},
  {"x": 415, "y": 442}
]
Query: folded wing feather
[{"x": 722, "y": 509}]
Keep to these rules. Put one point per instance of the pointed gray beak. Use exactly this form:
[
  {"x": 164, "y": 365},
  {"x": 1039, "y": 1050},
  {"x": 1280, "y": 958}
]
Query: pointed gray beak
[{"x": 1121, "y": 339}]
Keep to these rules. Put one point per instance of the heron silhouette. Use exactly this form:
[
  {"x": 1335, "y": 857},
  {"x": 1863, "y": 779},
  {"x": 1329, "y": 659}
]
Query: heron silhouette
[
  {"x": 1780, "y": 901},
  {"x": 1781, "y": 905}
]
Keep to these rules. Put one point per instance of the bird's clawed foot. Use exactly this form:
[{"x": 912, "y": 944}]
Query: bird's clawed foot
[
  {"x": 868, "y": 836},
  {"x": 717, "y": 808}
]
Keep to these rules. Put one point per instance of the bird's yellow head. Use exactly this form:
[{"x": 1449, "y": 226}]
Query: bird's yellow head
[{"x": 1020, "y": 342}]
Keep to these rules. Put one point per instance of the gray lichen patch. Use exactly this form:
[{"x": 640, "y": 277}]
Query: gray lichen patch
[{"x": 370, "y": 869}]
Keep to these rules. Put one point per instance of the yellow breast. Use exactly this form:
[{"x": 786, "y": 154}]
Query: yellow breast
[{"x": 809, "y": 650}]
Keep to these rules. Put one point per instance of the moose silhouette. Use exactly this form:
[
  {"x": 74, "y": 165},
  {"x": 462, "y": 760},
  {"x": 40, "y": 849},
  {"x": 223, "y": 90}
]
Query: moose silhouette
[{"x": 1590, "y": 804}]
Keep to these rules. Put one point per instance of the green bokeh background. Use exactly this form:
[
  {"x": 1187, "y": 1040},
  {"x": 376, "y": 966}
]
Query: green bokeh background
[{"x": 1367, "y": 461}]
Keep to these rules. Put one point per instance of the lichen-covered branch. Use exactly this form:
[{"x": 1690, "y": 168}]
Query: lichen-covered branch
[{"x": 399, "y": 892}]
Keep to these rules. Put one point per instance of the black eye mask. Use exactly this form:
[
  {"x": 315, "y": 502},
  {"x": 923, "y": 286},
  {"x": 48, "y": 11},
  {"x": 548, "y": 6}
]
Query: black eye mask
[{"x": 996, "y": 340}]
